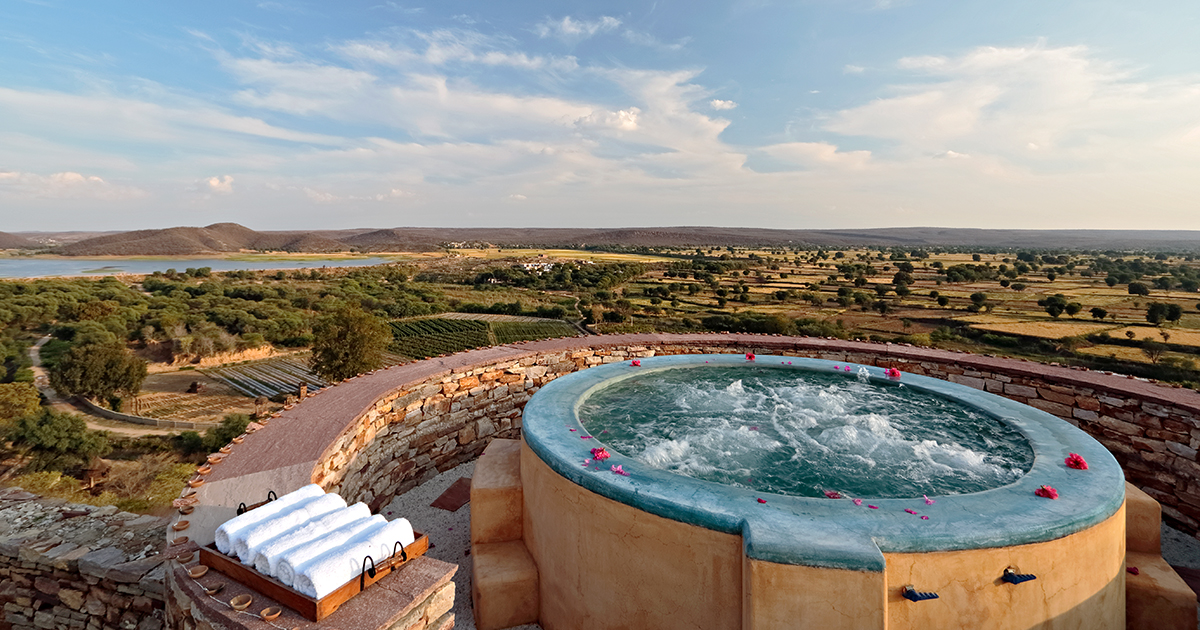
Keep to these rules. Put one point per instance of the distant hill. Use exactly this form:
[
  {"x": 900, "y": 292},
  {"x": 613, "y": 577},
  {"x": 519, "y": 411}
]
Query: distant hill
[
  {"x": 186, "y": 241},
  {"x": 12, "y": 241},
  {"x": 416, "y": 239},
  {"x": 231, "y": 237}
]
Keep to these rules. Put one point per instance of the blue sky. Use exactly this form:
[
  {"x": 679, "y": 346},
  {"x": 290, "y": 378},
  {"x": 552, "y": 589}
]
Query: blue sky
[{"x": 800, "y": 114}]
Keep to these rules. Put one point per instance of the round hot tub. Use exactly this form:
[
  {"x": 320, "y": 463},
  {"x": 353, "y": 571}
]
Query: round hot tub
[{"x": 713, "y": 491}]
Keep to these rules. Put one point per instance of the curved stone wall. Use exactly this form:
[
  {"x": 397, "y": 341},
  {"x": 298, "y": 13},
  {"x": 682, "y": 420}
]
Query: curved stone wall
[{"x": 378, "y": 435}]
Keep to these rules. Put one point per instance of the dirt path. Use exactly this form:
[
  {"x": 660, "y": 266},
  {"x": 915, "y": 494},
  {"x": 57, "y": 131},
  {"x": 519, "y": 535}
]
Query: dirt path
[{"x": 41, "y": 380}]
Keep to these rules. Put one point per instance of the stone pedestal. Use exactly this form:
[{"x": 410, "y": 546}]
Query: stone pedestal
[{"x": 417, "y": 597}]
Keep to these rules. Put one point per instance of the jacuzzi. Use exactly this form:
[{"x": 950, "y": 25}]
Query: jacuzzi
[{"x": 653, "y": 548}]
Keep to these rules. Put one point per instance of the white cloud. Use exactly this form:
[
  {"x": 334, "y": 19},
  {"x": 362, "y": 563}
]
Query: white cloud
[
  {"x": 320, "y": 196},
  {"x": 64, "y": 185},
  {"x": 574, "y": 30},
  {"x": 719, "y": 104},
  {"x": 646, "y": 39},
  {"x": 220, "y": 185},
  {"x": 817, "y": 155},
  {"x": 445, "y": 46},
  {"x": 853, "y": 69},
  {"x": 623, "y": 120},
  {"x": 517, "y": 197},
  {"x": 1063, "y": 102},
  {"x": 952, "y": 155}
]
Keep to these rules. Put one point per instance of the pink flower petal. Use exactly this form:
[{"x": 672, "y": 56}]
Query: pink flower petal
[
  {"x": 910, "y": 511},
  {"x": 873, "y": 507},
  {"x": 762, "y": 500},
  {"x": 928, "y": 501},
  {"x": 858, "y": 502},
  {"x": 1046, "y": 492},
  {"x": 573, "y": 430},
  {"x": 924, "y": 518},
  {"x": 585, "y": 437}
]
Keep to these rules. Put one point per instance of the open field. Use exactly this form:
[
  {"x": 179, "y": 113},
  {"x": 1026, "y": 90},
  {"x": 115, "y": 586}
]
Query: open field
[
  {"x": 1181, "y": 336},
  {"x": 1045, "y": 330},
  {"x": 165, "y": 395}
]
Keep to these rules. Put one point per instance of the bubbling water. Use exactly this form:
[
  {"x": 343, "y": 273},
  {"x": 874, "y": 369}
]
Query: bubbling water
[{"x": 803, "y": 433}]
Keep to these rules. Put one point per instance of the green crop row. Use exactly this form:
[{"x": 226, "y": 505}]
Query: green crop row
[
  {"x": 435, "y": 326},
  {"x": 512, "y": 332},
  {"x": 423, "y": 338}
]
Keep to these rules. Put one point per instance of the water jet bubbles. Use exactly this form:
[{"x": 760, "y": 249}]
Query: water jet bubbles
[{"x": 863, "y": 375}]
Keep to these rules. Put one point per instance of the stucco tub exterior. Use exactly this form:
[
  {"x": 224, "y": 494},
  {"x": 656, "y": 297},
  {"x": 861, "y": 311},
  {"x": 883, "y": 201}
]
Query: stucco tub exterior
[{"x": 659, "y": 550}]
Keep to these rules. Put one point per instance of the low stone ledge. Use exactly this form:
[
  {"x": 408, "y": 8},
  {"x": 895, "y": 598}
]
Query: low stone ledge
[{"x": 78, "y": 566}]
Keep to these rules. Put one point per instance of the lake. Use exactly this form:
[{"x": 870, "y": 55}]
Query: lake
[{"x": 42, "y": 267}]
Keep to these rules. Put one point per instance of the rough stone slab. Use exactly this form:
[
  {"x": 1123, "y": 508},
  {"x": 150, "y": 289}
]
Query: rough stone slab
[
  {"x": 97, "y": 563},
  {"x": 130, "y": 572}
]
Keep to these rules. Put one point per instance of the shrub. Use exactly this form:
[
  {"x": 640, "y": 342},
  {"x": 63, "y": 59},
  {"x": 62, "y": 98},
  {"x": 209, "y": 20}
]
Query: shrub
[
  {"x": 57, "y": 441},
  {"x": 1137, "y": 288},
  {"x": 231, "y": 426}
]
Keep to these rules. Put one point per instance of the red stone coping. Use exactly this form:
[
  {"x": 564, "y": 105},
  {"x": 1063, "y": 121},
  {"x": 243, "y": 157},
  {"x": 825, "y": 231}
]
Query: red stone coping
[{"x": 305, "y": 432}]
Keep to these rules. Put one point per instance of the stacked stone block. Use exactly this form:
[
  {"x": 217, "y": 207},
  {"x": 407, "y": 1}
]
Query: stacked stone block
[{"x": 78, "y": 566}]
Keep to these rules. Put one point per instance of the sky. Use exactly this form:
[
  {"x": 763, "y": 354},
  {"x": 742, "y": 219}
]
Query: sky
[{"x": 295, "y": 114}]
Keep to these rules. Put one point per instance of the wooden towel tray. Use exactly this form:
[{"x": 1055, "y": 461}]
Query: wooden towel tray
[{"x": 311, "y": 608}]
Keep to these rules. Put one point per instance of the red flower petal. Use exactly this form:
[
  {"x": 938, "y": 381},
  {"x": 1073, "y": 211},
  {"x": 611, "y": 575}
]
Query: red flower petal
[{"x": 762, "y": 500}]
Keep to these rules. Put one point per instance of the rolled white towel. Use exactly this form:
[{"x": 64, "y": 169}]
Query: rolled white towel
[
  {"x": 285, "y": 568},
  {"x": 264, "y": 531},
  {"x": 327, "y": 572},
  {"x": 265, "y": 557},
  {"x": 262, "y": 513}
]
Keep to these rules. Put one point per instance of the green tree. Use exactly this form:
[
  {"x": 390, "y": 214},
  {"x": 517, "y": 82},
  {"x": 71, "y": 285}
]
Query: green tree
[
  {"x": 1137, "y": 288},
  {"x": 57, "y": 441},
  {"x": 1099, "y": 313},
  {"x": 98, "y": 370},
  {"x": 347, "y": 343},
  {"x": 18, "y": 399},
  {"x": 1156, "y": 312}
]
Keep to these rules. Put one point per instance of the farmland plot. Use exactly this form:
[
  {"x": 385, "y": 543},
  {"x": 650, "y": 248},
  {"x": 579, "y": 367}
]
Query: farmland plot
[
  {"x": 269, "y": 377},
  {"x": 428, "y": 337}
]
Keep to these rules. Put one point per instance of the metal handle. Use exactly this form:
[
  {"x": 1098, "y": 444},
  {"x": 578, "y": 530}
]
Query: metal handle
[
  {"x": 1012, "y": 577},
  {"x": 913, "y": 595},
  {"x": 403, "y": 553},
  {"x": 362, "y": 581},
  {"x": 271, "y": 496},
  {"x": 241, "y": 509}
]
